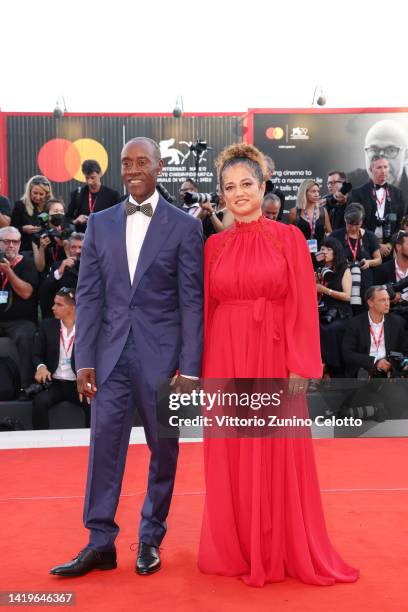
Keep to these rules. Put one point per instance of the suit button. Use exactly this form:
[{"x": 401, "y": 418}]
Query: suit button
[{"x": 133, "y": 307}]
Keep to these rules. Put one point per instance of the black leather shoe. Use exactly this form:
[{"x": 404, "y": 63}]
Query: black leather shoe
[
  {"x": 86, "y": 561},
  {"x": 148, "y": 559}
]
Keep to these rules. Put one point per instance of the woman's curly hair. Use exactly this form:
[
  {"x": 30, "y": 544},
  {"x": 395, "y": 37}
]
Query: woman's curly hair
[{"x": 241, "y": 153}]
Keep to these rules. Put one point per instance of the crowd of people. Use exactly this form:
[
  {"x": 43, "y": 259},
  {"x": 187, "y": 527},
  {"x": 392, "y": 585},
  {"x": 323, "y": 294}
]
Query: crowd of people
[{"x": 357, "y": 237}]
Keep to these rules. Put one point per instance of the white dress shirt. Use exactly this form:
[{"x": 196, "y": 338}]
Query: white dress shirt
[
  {"x": 64, "y": 370},
  {"x": 381, "y": 195},
  {"x": 136, "y": 229},
  {"x": 376, "y": 329},
  {"x": 400, "y": 274}
]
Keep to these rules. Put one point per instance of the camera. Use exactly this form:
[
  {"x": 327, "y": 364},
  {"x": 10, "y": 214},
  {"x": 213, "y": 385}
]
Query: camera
[
  {"x": 355, "y": 298},
  {"x": 386, "y": 223},
  {"x": 327, "y": 315},
  {"x": 76, "y": 264},
  {"x": 399, "y": 363},
  {"x": 190, "y": 198},
  {"x": 346, "y": 188},
  {"x": 2, "y": 256},
  {"x": 50, "y": 232},
  {"x": 399, "y": 286},
  {"x": 36, "y": 388}
]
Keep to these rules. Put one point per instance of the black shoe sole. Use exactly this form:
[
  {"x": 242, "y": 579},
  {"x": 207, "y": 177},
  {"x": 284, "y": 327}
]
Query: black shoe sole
[
  {"x": 148, "y": 572},
  {"x": 101, "y": 567}
]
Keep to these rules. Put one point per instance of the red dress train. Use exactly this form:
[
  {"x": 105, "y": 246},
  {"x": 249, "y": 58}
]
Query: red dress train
[{"x": 263, "y": 516}]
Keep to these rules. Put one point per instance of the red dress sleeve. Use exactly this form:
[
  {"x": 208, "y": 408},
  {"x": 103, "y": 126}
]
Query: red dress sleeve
[{"x": 301, "y": 312}]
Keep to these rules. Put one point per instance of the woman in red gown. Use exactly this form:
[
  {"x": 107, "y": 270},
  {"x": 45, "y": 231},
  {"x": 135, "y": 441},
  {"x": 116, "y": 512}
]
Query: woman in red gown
[{"x": 263, "y": 516}]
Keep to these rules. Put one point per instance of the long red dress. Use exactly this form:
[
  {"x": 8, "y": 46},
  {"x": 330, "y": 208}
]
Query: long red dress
[{"x": 263, "y": 516}]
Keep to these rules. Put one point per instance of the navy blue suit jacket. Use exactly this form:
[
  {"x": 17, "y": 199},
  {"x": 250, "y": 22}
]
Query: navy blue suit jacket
[{"x": 163, "y": 306}]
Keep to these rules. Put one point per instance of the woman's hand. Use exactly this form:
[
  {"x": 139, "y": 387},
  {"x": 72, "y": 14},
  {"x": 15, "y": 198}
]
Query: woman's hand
[
  {"x": 30, "y": 229},
  {"x": 44, "y": 242},
  {"x": 297, "y": 384}
]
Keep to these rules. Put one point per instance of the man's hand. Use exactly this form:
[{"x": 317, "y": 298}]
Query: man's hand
[
  {"x": 385, "y": 250},
  {"x": 364, "y": 264},
  {"x": 81, "y": 219},
  {"x": 42, "y": 375},
  {"x": 397, "y": 298},
  {"x": 5, "y": 266},
  {"x": 86, "y": 384},
  {"x": 383, "y": 365},
  {"x": 207, "y": 207},
  {"x": 297, "y": 384},
  {"x": 66, "y": 263},
  {"x": 340, "y": 197},
  {"x": 182, "y": 384},
  {"x": 44, "y": 242}
]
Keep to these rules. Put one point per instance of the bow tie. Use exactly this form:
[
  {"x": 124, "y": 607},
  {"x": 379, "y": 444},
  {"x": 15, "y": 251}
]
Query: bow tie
[
  {"x": 381, "y": 186},
  {"x": 146, "y": 209}
]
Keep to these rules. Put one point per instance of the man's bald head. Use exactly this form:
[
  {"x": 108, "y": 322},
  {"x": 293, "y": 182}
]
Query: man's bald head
[
  {"x": 389, "y": 139},
  {"x": 149, "y": 141}
]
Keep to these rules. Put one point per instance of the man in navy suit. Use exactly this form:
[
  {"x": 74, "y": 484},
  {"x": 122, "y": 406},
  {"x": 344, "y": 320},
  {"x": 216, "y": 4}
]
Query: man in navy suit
[{"x": 139, "y": 320}]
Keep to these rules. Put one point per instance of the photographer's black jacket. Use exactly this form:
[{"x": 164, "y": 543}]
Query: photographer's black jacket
[
  {"x": 357, "y": 341},
  {"x": 79, "y": 204},
  {"x": 336, "y": 210},
  {"x": 394, "y": 204},
  {"x": 385, "y": 273},
  {"x": 47, "y": 345}
]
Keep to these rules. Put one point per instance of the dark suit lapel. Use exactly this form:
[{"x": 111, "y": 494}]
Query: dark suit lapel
[
  {"x": 119, "y": 248},
  {"x": 366, "y": 335},
  {"x": 387, "y": 334},
  {"x": 55, "y": 342},
  {"x": 157, "y": 231}
]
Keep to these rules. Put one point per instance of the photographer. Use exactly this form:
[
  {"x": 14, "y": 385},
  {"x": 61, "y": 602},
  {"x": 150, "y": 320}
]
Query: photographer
[
  {"x": 272, "y": 207},
  {"x": 48, "y": 243},
  {"x": 187, "y": 203},
  {"x": 383, "y": 204},
  {"x": 270, "y": 187},
  {"x": 93, "y": 197},
  {"x": 18, "y": 303},
  {"x": 368, "y": 341},
  {"x": 362, "y": 251},
  {"x": 63, "y": 273},
  {"x": 395, "y": 271},
  {"x": 337, "y": 198},
  {"x": 54, "y": 360},
  {"x": 27, "y": 210},
  {"x": 334, "y": 288}
]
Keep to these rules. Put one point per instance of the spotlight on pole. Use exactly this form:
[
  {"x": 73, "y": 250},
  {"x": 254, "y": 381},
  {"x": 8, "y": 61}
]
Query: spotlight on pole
[
  {"x": 59, "y": 110},
  {"x": 319, "y": 96},
  {"x": 178, "y": 109}
]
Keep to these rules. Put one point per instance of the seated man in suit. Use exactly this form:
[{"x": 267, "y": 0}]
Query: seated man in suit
[
  {"x": 93, "y": 197},
  {"x": 54, "y": 360},
  {"x": 383, "y": 204},
  {"x": 367, "y": 343}
]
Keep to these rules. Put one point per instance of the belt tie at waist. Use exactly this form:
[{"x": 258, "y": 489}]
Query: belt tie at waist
[{"x": 258, "y": 310}]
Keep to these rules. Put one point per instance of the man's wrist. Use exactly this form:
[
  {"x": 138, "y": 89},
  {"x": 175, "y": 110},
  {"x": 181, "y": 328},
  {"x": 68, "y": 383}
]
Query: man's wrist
[
  {"x": 80, "y": 369},
  {"x": 190, "y": 377}
]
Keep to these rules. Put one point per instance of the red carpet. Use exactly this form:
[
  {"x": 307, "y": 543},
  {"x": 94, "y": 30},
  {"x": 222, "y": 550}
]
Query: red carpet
[{"x": 365, "y": 493}]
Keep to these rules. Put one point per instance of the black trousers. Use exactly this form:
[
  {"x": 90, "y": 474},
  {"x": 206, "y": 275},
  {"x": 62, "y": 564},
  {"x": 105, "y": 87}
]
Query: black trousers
[
  {"x": 22, "y": 332},
  {"x": 60, "y": 391}
]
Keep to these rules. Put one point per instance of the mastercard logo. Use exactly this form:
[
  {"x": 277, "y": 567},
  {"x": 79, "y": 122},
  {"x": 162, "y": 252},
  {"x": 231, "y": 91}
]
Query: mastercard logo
[
  {"x": 274, "y": 133},
  {"x": 60, "y": 160}
]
